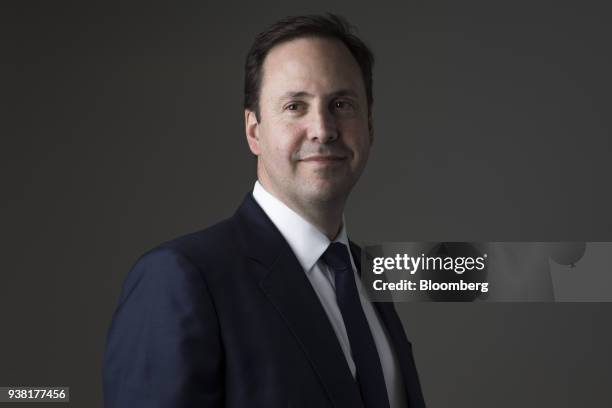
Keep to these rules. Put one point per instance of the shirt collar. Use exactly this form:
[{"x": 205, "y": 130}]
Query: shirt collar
[{"x": 307, "y": 241}]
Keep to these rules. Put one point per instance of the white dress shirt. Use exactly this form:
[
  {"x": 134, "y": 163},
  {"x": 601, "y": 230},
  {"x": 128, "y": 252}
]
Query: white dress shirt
[{"x": 308, "y": 244}]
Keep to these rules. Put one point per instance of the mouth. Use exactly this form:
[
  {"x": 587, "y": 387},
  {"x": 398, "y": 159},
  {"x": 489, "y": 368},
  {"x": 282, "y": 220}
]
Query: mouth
[{"x": 323, "y": 159}]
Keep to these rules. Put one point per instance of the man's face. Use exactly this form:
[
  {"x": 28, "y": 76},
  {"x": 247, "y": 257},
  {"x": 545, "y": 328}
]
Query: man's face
[{"x": 313, "y": 136}]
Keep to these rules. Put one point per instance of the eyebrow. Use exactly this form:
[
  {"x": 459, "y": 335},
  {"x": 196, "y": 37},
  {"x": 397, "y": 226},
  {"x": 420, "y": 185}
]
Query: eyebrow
[{"x": 306, "y": 95}]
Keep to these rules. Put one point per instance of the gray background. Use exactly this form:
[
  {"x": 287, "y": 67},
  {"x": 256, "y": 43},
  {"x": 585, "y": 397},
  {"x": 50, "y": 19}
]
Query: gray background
[{"x": 122, "y": 127}]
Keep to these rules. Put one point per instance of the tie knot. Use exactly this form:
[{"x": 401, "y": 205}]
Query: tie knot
[{"x": 336, "y": 256}]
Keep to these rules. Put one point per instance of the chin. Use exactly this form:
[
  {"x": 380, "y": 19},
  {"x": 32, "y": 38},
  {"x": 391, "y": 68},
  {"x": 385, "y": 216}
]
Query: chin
[{"x": 326, "y": 192}]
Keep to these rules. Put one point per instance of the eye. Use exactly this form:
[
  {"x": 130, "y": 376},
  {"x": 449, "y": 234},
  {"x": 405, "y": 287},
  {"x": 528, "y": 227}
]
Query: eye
[
  {"x": 294, "y": 106},
  {"x": 343, "y": 105}
]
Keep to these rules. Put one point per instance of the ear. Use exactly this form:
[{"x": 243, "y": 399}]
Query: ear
[
  {"x": 251, "y": 127},
  {"x": 371, "y": 127}
]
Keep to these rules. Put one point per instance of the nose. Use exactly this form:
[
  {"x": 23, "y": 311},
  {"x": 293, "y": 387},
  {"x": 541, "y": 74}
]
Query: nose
[{"x": 322, "y": 127}]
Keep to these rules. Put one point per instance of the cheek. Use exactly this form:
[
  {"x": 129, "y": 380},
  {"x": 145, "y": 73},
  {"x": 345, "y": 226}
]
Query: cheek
[
  {"x": 357, "y": 137},
  {"x": 285, "y": 140}
]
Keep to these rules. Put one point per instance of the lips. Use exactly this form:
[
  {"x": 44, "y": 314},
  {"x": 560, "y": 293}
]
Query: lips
[{"x": 323, "y": 158}]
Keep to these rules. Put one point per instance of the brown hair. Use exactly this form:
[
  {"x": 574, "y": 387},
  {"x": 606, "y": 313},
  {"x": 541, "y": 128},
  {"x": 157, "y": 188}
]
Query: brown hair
[{"x": 289, "y": 28}]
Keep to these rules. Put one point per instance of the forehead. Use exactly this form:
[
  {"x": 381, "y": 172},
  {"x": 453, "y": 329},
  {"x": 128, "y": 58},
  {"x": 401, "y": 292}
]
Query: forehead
[{"x": 310, "y": 64}]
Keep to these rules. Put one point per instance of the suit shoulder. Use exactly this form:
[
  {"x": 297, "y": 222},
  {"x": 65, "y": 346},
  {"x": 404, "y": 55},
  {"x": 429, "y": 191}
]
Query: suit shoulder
[{"x": 205, "y": 246}]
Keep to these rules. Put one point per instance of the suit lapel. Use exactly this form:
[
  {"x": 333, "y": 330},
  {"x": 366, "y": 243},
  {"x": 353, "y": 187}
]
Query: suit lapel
[{"x": 290, "y": 291}]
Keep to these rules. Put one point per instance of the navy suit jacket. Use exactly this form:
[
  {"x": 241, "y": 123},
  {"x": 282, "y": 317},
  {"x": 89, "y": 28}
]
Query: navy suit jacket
[{"x": 226, "y": 317}]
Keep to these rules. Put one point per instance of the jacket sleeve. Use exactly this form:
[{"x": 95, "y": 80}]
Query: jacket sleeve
[{"x": 163, "y": 348}]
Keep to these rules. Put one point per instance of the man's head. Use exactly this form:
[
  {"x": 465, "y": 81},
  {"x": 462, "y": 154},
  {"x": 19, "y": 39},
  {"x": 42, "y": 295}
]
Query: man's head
[{"x": 308, "y": 97}]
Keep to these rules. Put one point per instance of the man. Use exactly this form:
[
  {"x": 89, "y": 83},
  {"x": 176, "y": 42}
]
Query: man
[{"x": 265, "y": 309}]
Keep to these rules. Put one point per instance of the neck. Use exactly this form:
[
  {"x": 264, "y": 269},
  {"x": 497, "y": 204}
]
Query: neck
[
  {"x": 326, "y": 215},
  {"x": 327, "y": 220}
]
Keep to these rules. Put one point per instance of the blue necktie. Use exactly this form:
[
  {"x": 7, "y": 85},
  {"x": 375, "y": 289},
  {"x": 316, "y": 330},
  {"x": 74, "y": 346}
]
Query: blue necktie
[{"x": 369, "y": 370}]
